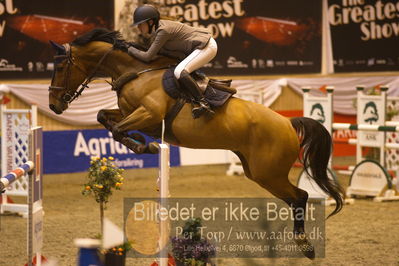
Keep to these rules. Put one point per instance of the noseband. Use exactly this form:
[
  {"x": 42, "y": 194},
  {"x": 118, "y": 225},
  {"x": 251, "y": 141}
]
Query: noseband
[{"x": 70, "y": 93}]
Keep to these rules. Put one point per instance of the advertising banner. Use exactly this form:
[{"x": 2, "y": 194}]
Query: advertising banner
[
  {"x": 258, "y": 36},
  {"x": 27, "y": 26},
  {"x": 70, "y": 151},
  {"x": 364, "y": 35}
]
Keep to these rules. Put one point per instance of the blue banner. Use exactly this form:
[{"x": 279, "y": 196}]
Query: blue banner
[{"x": 70, "y": 151}]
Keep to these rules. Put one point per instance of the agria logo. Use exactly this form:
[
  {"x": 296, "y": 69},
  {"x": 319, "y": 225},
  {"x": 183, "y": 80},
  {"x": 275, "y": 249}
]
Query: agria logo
[
  {"x": 317, "y": 113},
  {"x": 370, "y": 113}
]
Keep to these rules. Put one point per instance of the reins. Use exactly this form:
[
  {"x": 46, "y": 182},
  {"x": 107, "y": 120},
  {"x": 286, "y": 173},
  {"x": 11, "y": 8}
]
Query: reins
[{"x": 70, "y": 96}]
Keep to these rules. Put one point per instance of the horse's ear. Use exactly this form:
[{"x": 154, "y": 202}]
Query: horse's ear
[{"x": 60, "y": 49}]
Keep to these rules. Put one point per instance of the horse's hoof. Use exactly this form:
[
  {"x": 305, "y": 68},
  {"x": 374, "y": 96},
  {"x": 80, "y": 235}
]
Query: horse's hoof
[
  {"x": 133, "y": 145},
  {"x": 153, "y": 147},
  {"x": 137, "y": 137},
  {"x": 305, "y": 246}
]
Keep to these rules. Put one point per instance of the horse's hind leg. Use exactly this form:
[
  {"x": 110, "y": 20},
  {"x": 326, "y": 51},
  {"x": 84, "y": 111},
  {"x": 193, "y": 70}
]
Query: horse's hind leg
[
  {"x": 296, "y": 198},
  {"x": 244, "y": 164},
  {"x": 270, "y": 170}
]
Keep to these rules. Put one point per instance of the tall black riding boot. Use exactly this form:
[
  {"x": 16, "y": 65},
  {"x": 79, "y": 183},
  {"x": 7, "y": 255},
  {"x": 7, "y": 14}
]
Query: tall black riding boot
[{"x": 189, "y": 83}]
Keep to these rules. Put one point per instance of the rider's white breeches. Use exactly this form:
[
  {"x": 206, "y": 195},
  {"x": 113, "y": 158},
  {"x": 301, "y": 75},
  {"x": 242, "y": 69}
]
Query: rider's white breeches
[{"x": 197, "y": 58}]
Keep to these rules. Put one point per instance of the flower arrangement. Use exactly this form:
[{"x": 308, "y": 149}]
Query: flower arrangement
[
  {"x": 190, "y": 248},
  {"x": 116, "y": 256},
  {"x": 103, "y": 177},
  {"x": 119, "y": 250}
]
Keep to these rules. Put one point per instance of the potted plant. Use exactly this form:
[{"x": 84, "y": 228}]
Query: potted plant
[
  {"x": 117, "y": 255},
  {"x": 104, "y": 177},
  {"x": 190, "y": 248}
]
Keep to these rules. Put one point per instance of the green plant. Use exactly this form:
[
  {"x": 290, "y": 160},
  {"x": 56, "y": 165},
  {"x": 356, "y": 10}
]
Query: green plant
[
  {"x": 103, "y": 177},
  {"x": 392, "y": 112},
  {"x": 376, "y": 90},
  {"x": 119, "y": 250}
]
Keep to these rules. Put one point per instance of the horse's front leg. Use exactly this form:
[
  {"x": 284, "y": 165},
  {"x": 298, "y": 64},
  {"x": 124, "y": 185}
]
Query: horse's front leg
[
  {"x": 136, "y": 142},
  {"x": 109, "y": 117},
  {"x": 138, "y": 119}
]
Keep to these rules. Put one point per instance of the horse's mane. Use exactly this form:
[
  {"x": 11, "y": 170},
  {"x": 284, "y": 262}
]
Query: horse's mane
[{"x": 104, "y": 35}]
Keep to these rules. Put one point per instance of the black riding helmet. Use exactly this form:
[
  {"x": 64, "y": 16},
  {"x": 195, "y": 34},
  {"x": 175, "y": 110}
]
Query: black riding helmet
[{"x": 144, "y": 14}]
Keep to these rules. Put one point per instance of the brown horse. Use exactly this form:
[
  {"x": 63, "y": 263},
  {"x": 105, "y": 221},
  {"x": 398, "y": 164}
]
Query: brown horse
[{"x": 267, "y": 143}]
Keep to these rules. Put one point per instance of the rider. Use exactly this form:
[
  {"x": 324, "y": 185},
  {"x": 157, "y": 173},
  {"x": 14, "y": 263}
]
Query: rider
[{"x": 193, "y": 46}]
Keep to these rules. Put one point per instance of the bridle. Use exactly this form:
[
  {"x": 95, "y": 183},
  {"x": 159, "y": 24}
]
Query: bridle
[{"x": 72, "y": 94}]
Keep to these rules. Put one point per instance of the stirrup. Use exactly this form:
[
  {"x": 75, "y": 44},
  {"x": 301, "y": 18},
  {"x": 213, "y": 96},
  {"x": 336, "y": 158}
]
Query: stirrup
[{"x": 199, "y": 110}]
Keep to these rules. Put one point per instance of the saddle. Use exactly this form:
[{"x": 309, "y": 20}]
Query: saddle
[{"x": 216, "y": 92}]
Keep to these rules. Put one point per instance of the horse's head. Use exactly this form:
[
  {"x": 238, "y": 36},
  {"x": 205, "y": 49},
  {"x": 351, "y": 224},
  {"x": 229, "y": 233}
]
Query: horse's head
[
  {"x": 67, "y": 77},
  {"x": 76, "y": 64}
]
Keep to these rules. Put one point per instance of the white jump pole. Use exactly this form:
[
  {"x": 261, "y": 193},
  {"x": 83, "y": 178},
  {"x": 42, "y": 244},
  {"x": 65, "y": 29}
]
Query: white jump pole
[
  {"x": 12, "y": 176},
  {"x": 6, "y": 181},
  {"x": 15, "y": 126},
  {"x": 365, "y": 127},
  {"x": 163, "y": 182},
  {"x": 35, "y": 196},
  {"x": 35, "y": 208}
]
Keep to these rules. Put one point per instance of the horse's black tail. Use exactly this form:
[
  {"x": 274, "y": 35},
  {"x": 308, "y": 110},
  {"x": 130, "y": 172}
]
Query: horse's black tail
[{"x": 317, "y": 147}]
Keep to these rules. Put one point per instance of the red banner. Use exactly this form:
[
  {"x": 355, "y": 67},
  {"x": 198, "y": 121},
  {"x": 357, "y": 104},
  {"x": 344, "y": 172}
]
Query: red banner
[{"x": 27, "y": 26}]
